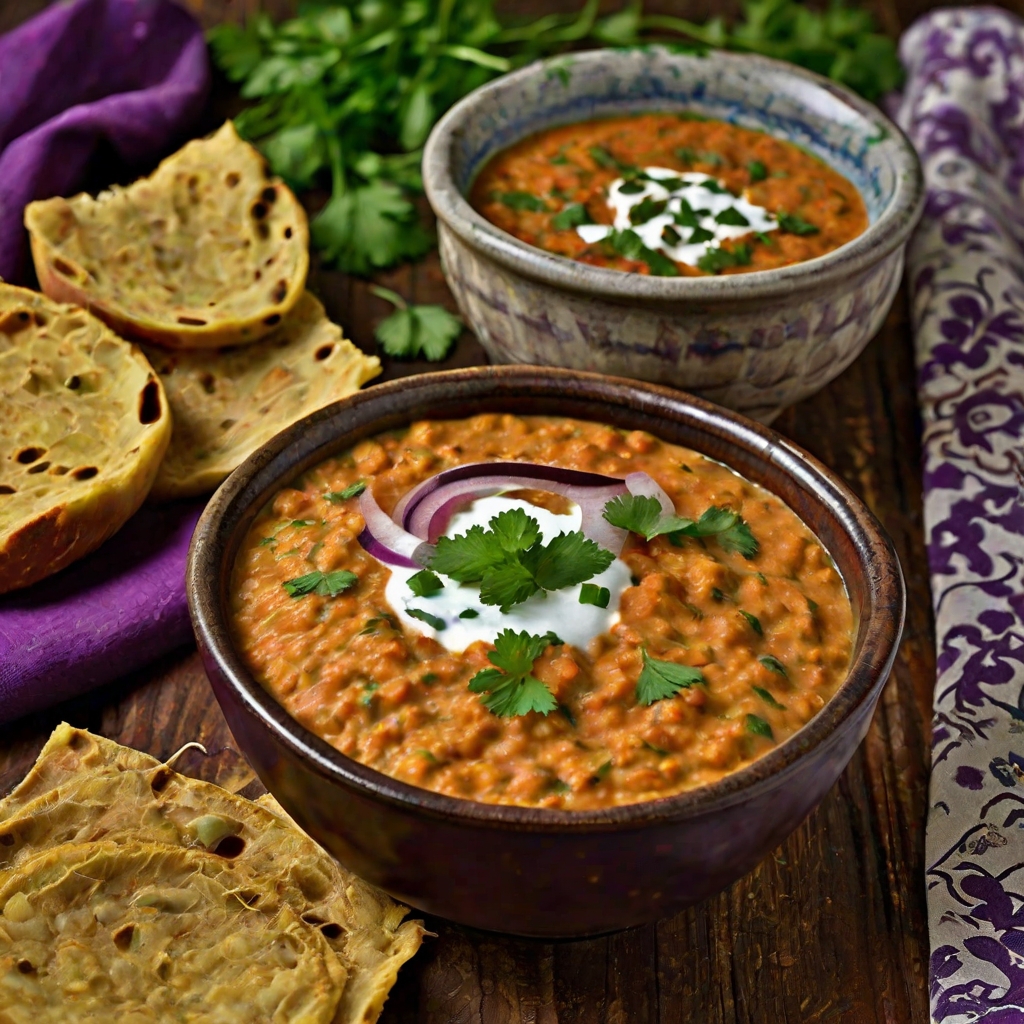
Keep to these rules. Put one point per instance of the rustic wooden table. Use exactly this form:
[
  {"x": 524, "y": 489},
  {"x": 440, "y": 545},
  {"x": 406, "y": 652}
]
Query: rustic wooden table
[{"x": 830, "y": 927}]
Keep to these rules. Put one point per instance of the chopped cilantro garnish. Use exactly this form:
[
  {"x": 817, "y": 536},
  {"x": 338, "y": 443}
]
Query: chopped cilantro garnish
[
  {"x": 602, "y": 771},
  {"x": 469, "y": 613},
  {"x": 558, "y": 786},
  {"x": 773, "y": 665},
  {"x": 686, "y": 155},
  {"x": 372, "y": 624},
  {"x": 629, "y": 244},
  {"x": 570, "y": 217},
  {"x": 687, "y": 216},
  {"x": 430, "y": 620},
  {"x": 424, "y": 583},
  {"x": 794, "y": 224},
  {"x": 591, "y": 593},
  {"x": 352, "y": 491},
  {"x": 753, "y": 621},
  {"x": 714, "y": 261},
  {"x": 656, "y": 750},
  {"x": 757, "y": 171},
  {"x": 712, "y": 185},
  {"x": 510, "y": 687},
  {"x": 368, "y": 690},
  {"x": 672, "y": 184},
  {"x": 267, "y": 541},
  {"x": 813, "y": 605},
  {"x": 604, "y": 159},
  {"x": 718, "y": 595},
  {"x": 511, "y": 562},
  {"x": 685, "y": 468},
  {"x": 559, "y": 159},
  {"x": 520, "y": 201},
  {"x": 429, "y": 678},
  {"x": 632, "y": 188},
  {"x": 700, "y": 235},
  {"x": 710, "y": 157},
  {"x": 759, "y": 727},
  {"x": 670, "y": 236},
  {"x": 694, "y": 611},
  {"x": 766, "y": 696},
  {"x": 566, "y": 712},
  {"x": 762, "y": 579},
  {"x": 732, "y": 217},
  {"x": 644, "y": 515},
  {"x": 303, "y": 522},
  {"x": 323, "y": 584},
  {"x": 661, "y": 679},
  {"x": 763, "y": 237},
  {"x": 646, "y": 210}
]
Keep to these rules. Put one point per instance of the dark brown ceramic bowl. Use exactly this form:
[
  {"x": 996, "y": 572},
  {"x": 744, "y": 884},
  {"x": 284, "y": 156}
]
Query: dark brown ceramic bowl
[{"x": 532, "y": 871}]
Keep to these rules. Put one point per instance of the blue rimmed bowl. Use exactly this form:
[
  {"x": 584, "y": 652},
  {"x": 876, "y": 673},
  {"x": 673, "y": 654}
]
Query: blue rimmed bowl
[{"x": 755, "y": 342}]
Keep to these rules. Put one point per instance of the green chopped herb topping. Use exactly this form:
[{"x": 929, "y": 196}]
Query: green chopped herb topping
[
  {"x": 753, "y": 621},
  {"x": 732, "y": 217},
  {"x": 714, "y": 261},
  {"x": 757, "y": 171},
  {"x": 570, "y": 217},
  {"x": 759, "y": 727},
  {"x": 591, "y": 593},
  {"x": 767, "y": 697},
  {"x": 424, "y": 583},
  {"x": 510, "y": 687},
  {"x": 661, "y": 679},
  {"x": 646, "y": 210},
  {"x": 773, "y": 665},
  {"x": 323, "y": 584},
  {"x": 352, "y": 491},
  {"x": 629, "y": 244},
  {"x": 469, "y": 613},
  {"x": 521, "y": 201},
  {"x": 431, "y": 620},
  {"x": 794, "y": 224}
]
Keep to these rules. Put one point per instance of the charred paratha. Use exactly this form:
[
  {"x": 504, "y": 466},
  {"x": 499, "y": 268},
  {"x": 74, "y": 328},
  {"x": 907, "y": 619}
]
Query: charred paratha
[
  {"x": 84, "y": 423},
  {"x": 210, "y": 250},
  {"x": 228, "y": 402}
]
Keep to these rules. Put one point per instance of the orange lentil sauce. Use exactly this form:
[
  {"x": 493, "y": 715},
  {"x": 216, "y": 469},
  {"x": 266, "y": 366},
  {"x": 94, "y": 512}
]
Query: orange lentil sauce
[
  {"x": 568, "y": 165},
  {"x": 398, "y": 701}
]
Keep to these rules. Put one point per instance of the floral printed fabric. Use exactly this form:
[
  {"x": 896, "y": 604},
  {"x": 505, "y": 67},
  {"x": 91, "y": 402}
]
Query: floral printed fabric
[{"x": 964, "y": 110}]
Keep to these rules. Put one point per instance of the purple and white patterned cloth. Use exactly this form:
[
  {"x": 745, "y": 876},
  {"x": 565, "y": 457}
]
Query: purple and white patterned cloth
[{"x": 963, "y": 107}]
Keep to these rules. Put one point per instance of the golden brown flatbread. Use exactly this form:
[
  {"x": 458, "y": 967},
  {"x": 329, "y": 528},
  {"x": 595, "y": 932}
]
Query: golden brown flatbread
[
  {"x": 210, "y": 250},
  {"x": 84, "y": 423},
  {"x": 226, "y": 403}
]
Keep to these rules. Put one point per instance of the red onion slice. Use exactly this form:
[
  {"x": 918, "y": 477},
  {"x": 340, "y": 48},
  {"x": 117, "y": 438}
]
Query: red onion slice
[
  {"x": 642, "y": 485},
  {"x": 383, "y": 538}
]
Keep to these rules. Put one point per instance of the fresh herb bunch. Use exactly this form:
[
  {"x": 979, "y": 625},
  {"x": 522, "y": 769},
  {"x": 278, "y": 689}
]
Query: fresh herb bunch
[{"x": 347, "y": 93}]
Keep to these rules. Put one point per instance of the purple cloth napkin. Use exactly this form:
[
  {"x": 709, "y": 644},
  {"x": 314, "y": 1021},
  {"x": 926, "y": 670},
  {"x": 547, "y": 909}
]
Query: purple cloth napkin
[
  {"x": 135, "y": 74},
  {"x": 963, "y": 107},
  {"x": 102, "y": 617},
  {"x": 132, "y": 72}
]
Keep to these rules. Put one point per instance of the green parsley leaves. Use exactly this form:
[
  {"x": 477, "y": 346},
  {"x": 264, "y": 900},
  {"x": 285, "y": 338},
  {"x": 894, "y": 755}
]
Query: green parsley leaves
[
  {"x": 352, "y": 491},
  {"x": 323, "y": 584},
  {"x": 645, "y": 516},
  {"x": 661, "y": 679},
  {"x": 512, "y": 563},
  {"x": 412, "y": 331},
  {"x": 794, "y": 224},
  {"x": 510, "y": 687}
]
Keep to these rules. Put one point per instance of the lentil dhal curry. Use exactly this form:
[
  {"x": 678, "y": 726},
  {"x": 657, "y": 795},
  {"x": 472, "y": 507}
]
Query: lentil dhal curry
[
  {"x": 669, "y": 194},
  {"x": 576, "y": 617}
]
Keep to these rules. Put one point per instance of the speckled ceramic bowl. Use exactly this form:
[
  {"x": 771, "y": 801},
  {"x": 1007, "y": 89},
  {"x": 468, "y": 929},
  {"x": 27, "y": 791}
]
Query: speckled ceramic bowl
[
  {"x": 525, "y": 870},
  {"x": 755, "y": 342}
]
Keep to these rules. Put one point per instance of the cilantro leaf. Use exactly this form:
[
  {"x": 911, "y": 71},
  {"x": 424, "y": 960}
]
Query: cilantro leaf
[
  {"x": 753, "y": 621},
  {"x": 411, "y": 331},
  {"x": 700, "y": 235},
  {"x": 767, "y": 697},
  {"x": 323, "y": 584},
  {"x": 510, "y": 687},
  {"x": 521, "y": 201},
  {"x": 794, "y": 224},
  {"x": 467, "y": 557},
  {"x": 646, "y": 210},
  {"x": 352, "y": 491},
  {"x": 515, "y": 530},
  {"x": 757, "y": 171},
  {"x": 570, "y": 217},
  {"x": 643, "y": 514},
  {"x": 670, "y": 236},
  {"x": 509, "y": 584},
  {"x": 424, "y": 583},
  {"x": 469, "y": 613},
  {"x": 773, "y": 664},
  {"x": 569, "y": 559},
  {"x": 714, "y": 261},
  {"x": 661, "y": 679},
  {"x": 731, "y": 216},
  {"x": 759, "y": 727},
  {"x": 629, "y": 244},
  {"x": 687, "y": 216},
  {"x": 369, "y": 227},
  {"x": 431, "y": 620},
  {"x": 591, "y": 593}
]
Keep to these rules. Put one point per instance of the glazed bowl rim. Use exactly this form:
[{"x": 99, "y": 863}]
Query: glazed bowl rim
[
  {"x": 885, "y": 235},
  {"x": 230, "y": 512}
]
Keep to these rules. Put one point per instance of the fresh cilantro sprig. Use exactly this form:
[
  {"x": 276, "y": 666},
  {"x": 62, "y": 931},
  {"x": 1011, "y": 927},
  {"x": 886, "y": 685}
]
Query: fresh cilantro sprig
[
  {"x": 644, "y": 515},
  {"x": 661, "y": 679},
  {"x": 714, "y": 261},
  {"x": 511, "y": 688},
  {"x": 794, "y": 224},
  {"x": 629, "y": 244},
  {"x": 412, "y": 331},
  {"x": 511, "y": 562},
  {"x": 352, "y": 491},
  {"x": 324, "y": 584}
]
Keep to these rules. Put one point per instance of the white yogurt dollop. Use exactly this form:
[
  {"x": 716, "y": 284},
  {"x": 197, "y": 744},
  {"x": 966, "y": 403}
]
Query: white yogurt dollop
[
  {"x": 557, "y": 610},
  {"x": 694, "y": 192}
]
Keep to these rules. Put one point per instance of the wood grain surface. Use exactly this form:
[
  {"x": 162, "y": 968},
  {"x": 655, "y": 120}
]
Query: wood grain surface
[{"x": 831, "y": 927}]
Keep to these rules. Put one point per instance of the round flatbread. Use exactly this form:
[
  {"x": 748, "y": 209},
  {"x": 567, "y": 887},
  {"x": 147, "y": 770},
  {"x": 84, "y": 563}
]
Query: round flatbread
[
  {"x": 98, "y": 932},
  {"x": 209, "y": 250},
  {"x": 84, "y": 423},
  {"x": 84, "y": 787},
  {"x": 229, "y": 402}
]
